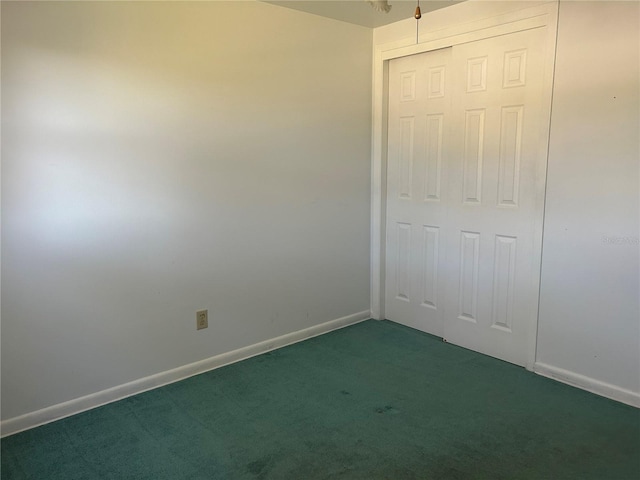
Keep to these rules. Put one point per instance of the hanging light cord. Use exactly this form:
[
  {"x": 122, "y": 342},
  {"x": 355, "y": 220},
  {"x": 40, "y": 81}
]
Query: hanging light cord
[{"x": 417, "y": 16}]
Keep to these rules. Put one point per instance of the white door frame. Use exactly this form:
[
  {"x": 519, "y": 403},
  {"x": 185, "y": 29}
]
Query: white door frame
[{"x": 543, "y": 15}]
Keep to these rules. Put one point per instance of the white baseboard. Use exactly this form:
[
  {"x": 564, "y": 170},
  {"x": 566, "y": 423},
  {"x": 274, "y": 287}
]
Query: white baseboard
[
  {"x": 78, "y": 405},
  {"x": 589, "y": 384}
]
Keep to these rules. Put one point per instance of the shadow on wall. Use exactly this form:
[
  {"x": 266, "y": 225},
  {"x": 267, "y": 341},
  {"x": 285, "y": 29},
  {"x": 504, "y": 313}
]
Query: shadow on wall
[{"x": 160, "y": 158}]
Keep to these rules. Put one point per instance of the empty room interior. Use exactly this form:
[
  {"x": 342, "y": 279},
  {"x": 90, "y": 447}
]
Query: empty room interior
[{"x": 320, "y": 239}]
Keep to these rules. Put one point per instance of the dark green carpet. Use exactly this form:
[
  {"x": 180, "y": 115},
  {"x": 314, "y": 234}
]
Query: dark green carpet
[{"x": 372, "y": 401}]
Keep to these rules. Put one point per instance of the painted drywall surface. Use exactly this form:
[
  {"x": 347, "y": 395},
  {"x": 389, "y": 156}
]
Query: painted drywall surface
[
  {"x": 404, "y": 32},
  {"x": 589, "y": 319},
  {"x": 164, "y": 157}
]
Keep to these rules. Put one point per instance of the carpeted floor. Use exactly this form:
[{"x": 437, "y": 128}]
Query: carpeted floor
[{"x": 372, "y": 401}]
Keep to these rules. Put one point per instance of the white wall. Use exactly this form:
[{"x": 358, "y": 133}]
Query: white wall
[
  {"x": 589, "y": 321},
  {"x": 163, "y": 157},
  {"x": 404, "y": 32}
]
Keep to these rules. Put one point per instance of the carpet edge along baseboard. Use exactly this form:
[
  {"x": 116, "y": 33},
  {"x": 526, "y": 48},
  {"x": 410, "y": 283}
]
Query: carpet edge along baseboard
[{"x": 81, "y": 404}]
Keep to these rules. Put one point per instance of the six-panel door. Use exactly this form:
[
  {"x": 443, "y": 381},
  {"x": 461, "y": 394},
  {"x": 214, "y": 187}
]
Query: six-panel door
[{"x": 462, "y": 191}]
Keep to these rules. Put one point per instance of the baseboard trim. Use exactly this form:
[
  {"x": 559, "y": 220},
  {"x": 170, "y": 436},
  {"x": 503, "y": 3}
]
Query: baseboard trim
[
  {"x": 88, "y": 402},
  {"x": 589, "y": 384}
]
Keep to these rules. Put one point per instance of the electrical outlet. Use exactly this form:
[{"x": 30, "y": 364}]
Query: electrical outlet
[{"x": 202, "y": 319}]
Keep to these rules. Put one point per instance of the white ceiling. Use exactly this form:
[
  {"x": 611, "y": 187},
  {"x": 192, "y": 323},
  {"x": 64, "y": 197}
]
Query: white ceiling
[{"x": 360, "y": 12}]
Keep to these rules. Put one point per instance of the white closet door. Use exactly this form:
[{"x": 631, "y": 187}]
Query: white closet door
[
  {"x": 419, "y": 109},
  {"x": 491, "y": 296},
  {"x": 462, "y": 192}
]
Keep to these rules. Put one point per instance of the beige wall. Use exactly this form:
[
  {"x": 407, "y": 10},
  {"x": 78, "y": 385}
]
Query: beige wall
[
  {"x": 589, "y": 301},
  {"x": 159, "y": 158}
]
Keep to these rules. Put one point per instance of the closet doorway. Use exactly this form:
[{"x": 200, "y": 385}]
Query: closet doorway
[{"x": 466, "y": 163}]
